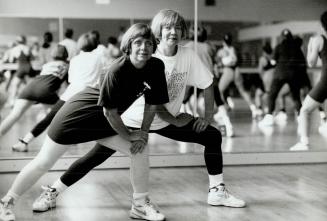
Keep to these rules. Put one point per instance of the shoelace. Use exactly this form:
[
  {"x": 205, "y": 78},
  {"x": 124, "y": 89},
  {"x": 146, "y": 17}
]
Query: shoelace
[
  {"x": 152, "y": 205},
  {"x": 47, "y": 193},
  {"x": 9, "y": 204},
  {"x": 6, "y": 206},
  {"x": 223, "y": 189}
]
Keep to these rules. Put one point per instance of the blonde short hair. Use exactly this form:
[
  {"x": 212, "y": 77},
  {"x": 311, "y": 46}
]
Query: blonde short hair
[
  {"x": 135, "y": 31},
  {"x": 168, "y": 17}
]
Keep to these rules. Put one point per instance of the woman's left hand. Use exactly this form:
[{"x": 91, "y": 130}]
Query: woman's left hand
[
  {"x": 200, "y": 124},
  {"x": 137, "y": 146}
]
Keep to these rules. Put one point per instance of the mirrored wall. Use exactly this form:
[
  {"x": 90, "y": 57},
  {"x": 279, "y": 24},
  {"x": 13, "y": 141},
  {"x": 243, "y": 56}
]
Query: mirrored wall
[{"x": 251, "y": 25}]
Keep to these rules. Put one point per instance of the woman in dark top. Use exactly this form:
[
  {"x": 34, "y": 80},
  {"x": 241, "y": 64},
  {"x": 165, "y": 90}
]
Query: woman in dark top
[
  {"x": 94, "y": 114},
  {"x": 317, "y": 47},
  {"x": 288, "y": 57}
]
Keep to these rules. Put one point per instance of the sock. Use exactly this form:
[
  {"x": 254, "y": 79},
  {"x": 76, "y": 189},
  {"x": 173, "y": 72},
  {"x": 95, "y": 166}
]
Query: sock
[
  {"x": 10, "y": 198},
  {"x": 140, "y": 198},
  {"x": 59, "y": 186},
  {"x": 252, "y": 107},
  {"x": 28, "y": 137},
  {"x": 215, "y": 180},
  {"x": 304, "y": 140}
]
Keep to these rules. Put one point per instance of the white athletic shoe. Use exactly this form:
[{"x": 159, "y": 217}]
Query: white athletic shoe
[
  {"x": 21, "y": 146},
  {"x": 219, "y": 196},
  {"x": 229, "y": 130},
  {"x": 257, "y": 113},
  {"x": 281, "y": 117},
  {"x": 300, "y": 147},
  {"x": 148, "y": 211},
  {"x": 268, "y": 120},
  {"x": 323, "y": 129},
  {"x": 47, "y": 200},
  {"x": 230, "y": 103},
  {"x": 6, "y": 214},
  {"x": 323, "y": 117}
]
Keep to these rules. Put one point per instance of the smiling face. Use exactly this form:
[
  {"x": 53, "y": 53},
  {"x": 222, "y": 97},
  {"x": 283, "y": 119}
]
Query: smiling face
[
  {"x": 171, "y": 35},
  {"x": 141, "y": 51}
]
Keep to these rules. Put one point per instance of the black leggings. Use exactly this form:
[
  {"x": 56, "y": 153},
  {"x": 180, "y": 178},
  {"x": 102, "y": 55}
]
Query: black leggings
[
  {"x": 276, "y": 86},
  {"x": 210, "y": 139},
  {"x": 45, "y": 122}
]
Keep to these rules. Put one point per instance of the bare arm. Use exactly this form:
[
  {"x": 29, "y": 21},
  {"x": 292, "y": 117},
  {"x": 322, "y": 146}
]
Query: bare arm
[
  {"x": 139, "y": 145},
  {"x": 209, "y": 102},
  {"x": 149, "y": 112},
  {"x": 314, "y": 46},
  {"x": 202, "y": 123},
  {"x": 178, "y": 121}
]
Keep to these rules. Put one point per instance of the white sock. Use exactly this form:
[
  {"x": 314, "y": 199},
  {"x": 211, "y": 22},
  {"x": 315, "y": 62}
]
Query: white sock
[
  {"x": 28, "y": 137},
  {"x": 140, "y": 198},
  {"x": 304, "y": 140},
  {"x": 215, "y": 180},
  {"x": 252, "y": 107},
  {"x": 59, "y": 186},
  {"x": 11, "y": 196}
]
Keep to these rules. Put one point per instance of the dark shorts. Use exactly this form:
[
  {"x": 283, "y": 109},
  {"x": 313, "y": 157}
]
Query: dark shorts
[
  {"x": 80, "y": 120},
  {"x": 24, "y": 70},
  {"x": 38, "y": 93}
]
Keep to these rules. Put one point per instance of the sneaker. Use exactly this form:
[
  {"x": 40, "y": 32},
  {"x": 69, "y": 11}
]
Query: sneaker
[
  {"x": 21, "y": 146},
  {"x": 47, "y": 200},
  {"x": 322, "y": 117},
  {"x": 219, "y": 196},
  {"x": 229, "y": 130},
  {"x": 6, "y": 214},
  {"x": 268, "y": 120},
  {"x": 148, "y": 211},
  {"x": 281, "y": 117},
  {"x": 230, "y": 103},
  {"x": 300, "y": 147},
  {"x": 322, "y": 129},
  {"x": 257, "y": 113}
]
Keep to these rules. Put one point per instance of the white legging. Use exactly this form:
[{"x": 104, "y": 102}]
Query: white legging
[
  {"x": 20, "y": 107},
  {"x": 51, "y": 152}
]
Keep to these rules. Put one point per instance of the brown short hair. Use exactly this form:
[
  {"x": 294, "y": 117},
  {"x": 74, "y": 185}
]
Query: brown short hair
[{"x": 135, "y": 31}]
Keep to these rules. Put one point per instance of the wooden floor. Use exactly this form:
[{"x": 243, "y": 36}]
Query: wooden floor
[{"x": 272, "y": 193}]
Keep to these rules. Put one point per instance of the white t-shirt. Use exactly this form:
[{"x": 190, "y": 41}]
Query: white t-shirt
[
  {"x": 184, "y": 68},
  {"x": 84, "y": 71},
  {"x": 204, "y": 51},
  {"x": 228, "y": 56},
  {"x": 71, "y": 47},
  {"x": 55, "y": 68}
]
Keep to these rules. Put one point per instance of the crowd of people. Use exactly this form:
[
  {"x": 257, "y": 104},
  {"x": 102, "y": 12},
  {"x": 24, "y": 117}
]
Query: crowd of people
[{"x": 141, "y": 83}]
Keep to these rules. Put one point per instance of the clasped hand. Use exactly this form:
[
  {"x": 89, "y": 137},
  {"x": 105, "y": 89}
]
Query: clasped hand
[
  {"x": 200, "y": 124},
  {"x": 139, "y": 140}
]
